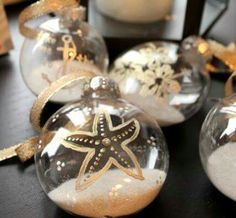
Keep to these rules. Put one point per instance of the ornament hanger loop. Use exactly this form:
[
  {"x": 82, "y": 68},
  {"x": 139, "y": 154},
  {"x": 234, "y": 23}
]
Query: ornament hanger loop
[
  {"x": 44, "y": 97},
  {"x": 39, "y": 9}
]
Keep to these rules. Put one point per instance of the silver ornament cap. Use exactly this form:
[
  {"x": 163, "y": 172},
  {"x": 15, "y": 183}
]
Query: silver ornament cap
[{"x": 100, "y": 86}]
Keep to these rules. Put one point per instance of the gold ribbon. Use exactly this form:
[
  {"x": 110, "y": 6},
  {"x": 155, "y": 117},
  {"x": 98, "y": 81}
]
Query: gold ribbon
[
  {"x": 226, "y": 55},
  {"x": 44, "y": 97},
  {"x": 39, "y": 9},
  {"x": 26, "y": 150},
  {"x": 228, "y": 58},
  {"x": 229, "y": 85}
]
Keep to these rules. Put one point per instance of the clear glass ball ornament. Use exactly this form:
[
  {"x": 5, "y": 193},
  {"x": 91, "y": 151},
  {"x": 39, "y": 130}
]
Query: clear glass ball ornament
[
  {"x": 101, "y": 156},
  {"x": 156, "y": 77},
  {"x": 218, "y": 146},
  {"x": 66, "y": 44},
  {"x": 193, "y": 45}
]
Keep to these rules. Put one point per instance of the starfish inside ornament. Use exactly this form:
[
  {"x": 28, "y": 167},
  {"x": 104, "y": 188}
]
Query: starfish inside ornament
[
  {"x": 98, "y": 152},
  {"x": 158, "y": 77},
  {"x": 104, "y": 147}
]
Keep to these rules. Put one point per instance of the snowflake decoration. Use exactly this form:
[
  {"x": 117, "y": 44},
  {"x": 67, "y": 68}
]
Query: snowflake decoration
[
  {"x": 123, "y": 69},
  {"x": 154, "y": 72},
  {"x": 160, "y": 53},
  {"x": 159, "y": 80}
]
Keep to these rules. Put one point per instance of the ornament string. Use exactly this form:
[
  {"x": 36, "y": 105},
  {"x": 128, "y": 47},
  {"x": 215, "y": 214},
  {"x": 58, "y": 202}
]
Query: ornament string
[
  {"x": 26, "y": 149},
  {"x": 38, "y": 9}
]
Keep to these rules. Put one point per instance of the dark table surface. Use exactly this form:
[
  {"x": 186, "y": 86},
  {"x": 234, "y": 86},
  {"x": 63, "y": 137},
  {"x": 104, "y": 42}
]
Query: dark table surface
[{"x": 187, "y": 192}]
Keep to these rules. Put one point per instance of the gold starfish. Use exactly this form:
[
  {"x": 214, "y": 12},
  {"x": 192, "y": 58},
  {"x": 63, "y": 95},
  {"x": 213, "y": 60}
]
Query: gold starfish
[{"x": 105, "y": 145}]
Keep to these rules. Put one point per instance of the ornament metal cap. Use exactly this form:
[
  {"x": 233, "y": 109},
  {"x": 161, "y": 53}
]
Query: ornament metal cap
[{"x": 100, "y": 86}]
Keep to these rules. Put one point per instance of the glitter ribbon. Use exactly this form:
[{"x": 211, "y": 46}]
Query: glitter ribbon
[
  {"x": 38, "y": 9},
  {"x": 26, "y": 150},
  {"x": 225, "y": 58},
  {"x": 44, "y": 97}
]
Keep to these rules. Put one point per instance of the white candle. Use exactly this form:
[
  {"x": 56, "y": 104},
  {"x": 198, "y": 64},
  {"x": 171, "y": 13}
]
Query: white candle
[{"x": 135, "y": 11}]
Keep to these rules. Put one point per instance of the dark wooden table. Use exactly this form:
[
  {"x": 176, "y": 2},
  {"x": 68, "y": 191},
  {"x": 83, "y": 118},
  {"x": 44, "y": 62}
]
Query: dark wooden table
[{"x": 187, "y": 192}]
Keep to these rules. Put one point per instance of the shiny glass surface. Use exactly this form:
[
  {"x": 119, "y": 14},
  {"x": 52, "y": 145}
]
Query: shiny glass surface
[
  {"x": 65, "y": 45},
  {"x": 163, "y": 79},
  {"x": 218, "y": 147},
  {"x": 125, "y": 172}
]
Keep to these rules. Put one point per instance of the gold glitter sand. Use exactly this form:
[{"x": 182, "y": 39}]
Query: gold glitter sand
[{"x": 114, "y": 194}]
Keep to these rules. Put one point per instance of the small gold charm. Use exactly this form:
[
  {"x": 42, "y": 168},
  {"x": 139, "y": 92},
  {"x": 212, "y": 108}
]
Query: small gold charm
[
  {"x": 105, "y": 146},
  {"x": 84, "y": 59},
  {"x": 69, "y": 49}
]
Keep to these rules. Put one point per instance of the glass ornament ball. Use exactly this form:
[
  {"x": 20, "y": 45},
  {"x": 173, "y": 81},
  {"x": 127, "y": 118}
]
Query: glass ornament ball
[
  {"x": 156, "y": 77},
  {"x": 101, "y": 156},
  {"x": 193, "y": 45},
  {"x": 135, "y": 11},
  {"x": 66, "y": 44},
  {"x": 218, "y": 146}
]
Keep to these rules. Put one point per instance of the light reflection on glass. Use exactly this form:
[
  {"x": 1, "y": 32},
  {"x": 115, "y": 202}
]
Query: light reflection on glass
[
  {"x": 43, "y": 38},
  {"x": 228, "y": 110},
  {"x": 184, "y": 99},
  {"x": 231, "y": 127},
  {"x": 152, "y": 158},
  {"x": 76, "y": 117},
  {"x": 128, "y": 180},
  {"x": 51, "y": 25},
  {"x": 134, "y": 56},
  {"x": 131, "y": 85},
  {"x": 52, "y": 147},
  {"x": 104, "y": 107}
]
